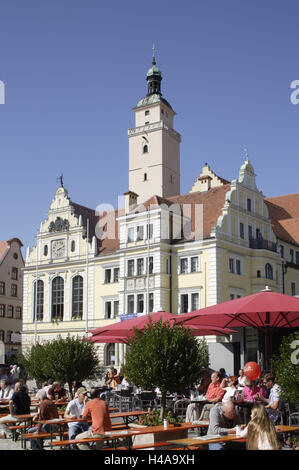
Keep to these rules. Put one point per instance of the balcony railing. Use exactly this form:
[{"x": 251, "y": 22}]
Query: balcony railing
[{"x": 261, "y": 244}]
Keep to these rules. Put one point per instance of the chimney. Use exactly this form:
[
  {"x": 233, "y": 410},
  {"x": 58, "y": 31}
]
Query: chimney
[{"x": 130, "y": 201}]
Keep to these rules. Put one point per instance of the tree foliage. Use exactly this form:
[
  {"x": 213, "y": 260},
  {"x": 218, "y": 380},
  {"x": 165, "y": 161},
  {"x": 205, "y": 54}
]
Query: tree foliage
[
  {"x": 167, "y": 357},
  {"x": 286, "y": 367},
  {"x": 64, "y": 359}
]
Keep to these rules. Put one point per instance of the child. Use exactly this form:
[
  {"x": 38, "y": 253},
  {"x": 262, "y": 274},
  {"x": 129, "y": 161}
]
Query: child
[{"x": 260, "y": 432}]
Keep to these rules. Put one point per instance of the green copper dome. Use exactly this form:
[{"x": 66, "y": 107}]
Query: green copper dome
[
  {"x": 153, "y": 71},
  {"x": 152, "y": 99}
]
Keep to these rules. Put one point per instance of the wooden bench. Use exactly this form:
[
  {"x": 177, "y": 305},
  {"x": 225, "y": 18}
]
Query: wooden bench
[
  {"x": 92, "y": 440},
  {"x": 42, "y": 436}
]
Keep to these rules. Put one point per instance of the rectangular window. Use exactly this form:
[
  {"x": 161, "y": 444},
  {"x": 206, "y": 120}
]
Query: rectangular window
[
  {"x": 249, "y": 204},
  {"x": 14, "y": 274},
  {"x": 168, "y": 264},
  {"x": 250, "y": 232},
  {"x": 116, "y": 308},
  {"x": 2, "y": 333},
  {"x": 9, "y": 311},
  {"x": 194, "y": 301},
  {"x": 147, "y": 112},
  {"x": 231, "y": 296},
  {"x": 194, "y": 264},
  {"x": 241, "y": 230},
  {"x": 140, "y": 266},
  {"x": 108, "y": 310},
  {"x": 116, "y": 275},
  {"x": 131, "y": 265},
  {"x": 149, "y": 231},
  {"x": 184, "y": 265},
  {"x": 292, "y": 256},
  {"x": 140, "y": 232},
  {"x": 151, "y": 302},
  {"x": 140, "y": 303},
  {"x": 281, "y": 247},
  {"x": 184, "y": 303},
  {"x": 150, "y": 265},
  {"x": 293, "y": 288},
  {"x": 18, "y": 313},
  {"x": 238, "y": 266},
  {"x": 2, "y": 288},
  {"x": 2, "y": 310},
  {"x": 8, "y": 336},
  {"x": 297, "y": 257},
  {"x": 130, "y": 234},
  {"x": 130, "y": 304},
  {"x": 107, "y": 276},
  {"x": 14, "y": 290},
  {"x": 231, "y": 265}
]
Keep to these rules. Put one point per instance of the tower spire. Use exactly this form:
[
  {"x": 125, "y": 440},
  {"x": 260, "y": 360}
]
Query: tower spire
[{"x": 154, "y": 58}]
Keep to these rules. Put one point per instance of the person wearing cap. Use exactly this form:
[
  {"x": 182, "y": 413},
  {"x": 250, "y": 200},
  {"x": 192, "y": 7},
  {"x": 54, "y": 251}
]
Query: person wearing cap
[{"x": 75, "y": 408}]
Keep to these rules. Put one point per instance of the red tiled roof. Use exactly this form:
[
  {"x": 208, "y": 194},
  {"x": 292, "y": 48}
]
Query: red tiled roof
[{"x": 284, "y": 214}]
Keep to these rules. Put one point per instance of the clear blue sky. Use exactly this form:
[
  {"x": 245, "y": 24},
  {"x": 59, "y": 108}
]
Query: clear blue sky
[{"x": 74, "y": 69}]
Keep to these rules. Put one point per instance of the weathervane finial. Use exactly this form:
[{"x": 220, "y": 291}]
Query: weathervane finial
[
  {"x": 246, "y": 153},
  {"x": 60, "y": 179},
  {"x": 154, "y": 58}
]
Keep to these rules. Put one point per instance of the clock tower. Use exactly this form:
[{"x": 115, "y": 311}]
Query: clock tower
[{"x": 154, "y": 145}]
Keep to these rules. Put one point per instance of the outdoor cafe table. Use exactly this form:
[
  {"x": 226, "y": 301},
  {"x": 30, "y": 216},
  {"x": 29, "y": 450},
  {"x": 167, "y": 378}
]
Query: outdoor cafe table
[
  {"x": 128, "y": 434},
  {"x": 203, "y": 441},
  {"x": 128, "y": 416}
]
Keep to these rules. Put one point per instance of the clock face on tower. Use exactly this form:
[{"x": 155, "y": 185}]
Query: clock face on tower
[{"x": 58, "y": 248}]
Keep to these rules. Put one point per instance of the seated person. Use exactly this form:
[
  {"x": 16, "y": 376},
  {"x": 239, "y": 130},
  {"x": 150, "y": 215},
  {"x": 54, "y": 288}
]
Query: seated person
[
  {"x": 56, "y": 392},
  {"x": 18, "y": 405},
  {"x": 214, "y": 395},
  {"x": 223, "y": 420},
  {"x": 194, "y": 409},
  {"x": 241, "y": 380},
  {"x": 6, "y": 390},
  {"x": 75, "y": 408},
  {"x": 251, "y": 391},
  {"x": 47, "y": 411},
  {"x": 260, "y": 432},
  {"x": 112, "y": 379},
  {"x": 272, "y": 403},
  {"x": 229, "y": 385}
]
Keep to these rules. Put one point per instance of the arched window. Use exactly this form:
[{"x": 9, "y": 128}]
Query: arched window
[
  {"x": 57, "y": 298},
  {"x": 268, "y": 271},
  {"x": 38, "y": 301},
  {"x": 73, "y": 245},
  {"x": 145, "y": 148},
  {"x": 77, "y": 298},
  {"x": 110, "y": 354}
]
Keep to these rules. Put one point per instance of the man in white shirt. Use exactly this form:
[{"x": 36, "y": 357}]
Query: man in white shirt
[
  {"x": 272, "y": 403},
  {"x": 75, "y": 408}
]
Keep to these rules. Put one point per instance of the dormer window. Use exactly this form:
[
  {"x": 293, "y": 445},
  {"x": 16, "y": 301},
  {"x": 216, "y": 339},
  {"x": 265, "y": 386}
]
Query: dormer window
[{"x": 147, "y": 112}]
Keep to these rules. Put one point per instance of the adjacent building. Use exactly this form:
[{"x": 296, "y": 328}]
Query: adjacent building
[
  {"x": 160, "y": 250},
  {"x": 11, "y": 296}
]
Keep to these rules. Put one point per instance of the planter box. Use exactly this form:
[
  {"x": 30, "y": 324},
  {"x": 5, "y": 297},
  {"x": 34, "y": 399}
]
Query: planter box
[{"x": 152, "y": 438}]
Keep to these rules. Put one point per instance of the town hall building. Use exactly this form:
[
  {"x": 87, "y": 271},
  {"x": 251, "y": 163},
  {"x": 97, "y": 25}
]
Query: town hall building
[{"x": 161, "y": 250}]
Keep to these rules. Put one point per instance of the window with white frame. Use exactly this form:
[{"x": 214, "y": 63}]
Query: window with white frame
[
  {"x": 293, "y": 288},
  {"x": 130, "y": 304},
  {"x": 116, "y": 308},
  {"x": 131, "y": 267},
  {"x": 108, "y": 309},
  {"x": 140, "y": 266},
  {"x": 140, "y": 233},
  {"x": 130, "y": 237},
  {"x": 151, "y": 302},
  {"x": 107, "y": 278},
  {"x": 194, "y": 301},
  {"x": 184, "y": 265},
  {"x": 235, "y": 265},
  {"x": 268, "y": 271},
  {"x": 140, "y": 303},
  {"x": 116, "y": 275},
  {"x": 194, "y": 264},
  {"x": 184, "y": 303}
]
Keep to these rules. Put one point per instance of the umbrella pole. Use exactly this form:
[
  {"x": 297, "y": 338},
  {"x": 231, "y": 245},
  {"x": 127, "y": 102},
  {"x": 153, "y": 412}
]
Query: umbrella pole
[{"x": 268, "y": 348}]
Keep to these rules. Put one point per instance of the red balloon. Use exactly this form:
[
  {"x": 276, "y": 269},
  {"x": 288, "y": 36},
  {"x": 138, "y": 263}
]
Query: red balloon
[{"x": 252, "y": 370}]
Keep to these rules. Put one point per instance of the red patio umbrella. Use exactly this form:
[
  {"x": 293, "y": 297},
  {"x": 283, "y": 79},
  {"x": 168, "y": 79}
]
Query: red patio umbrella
[
  {"x": 265, "y": 310},
  {"x": 125, "y": 329}
]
